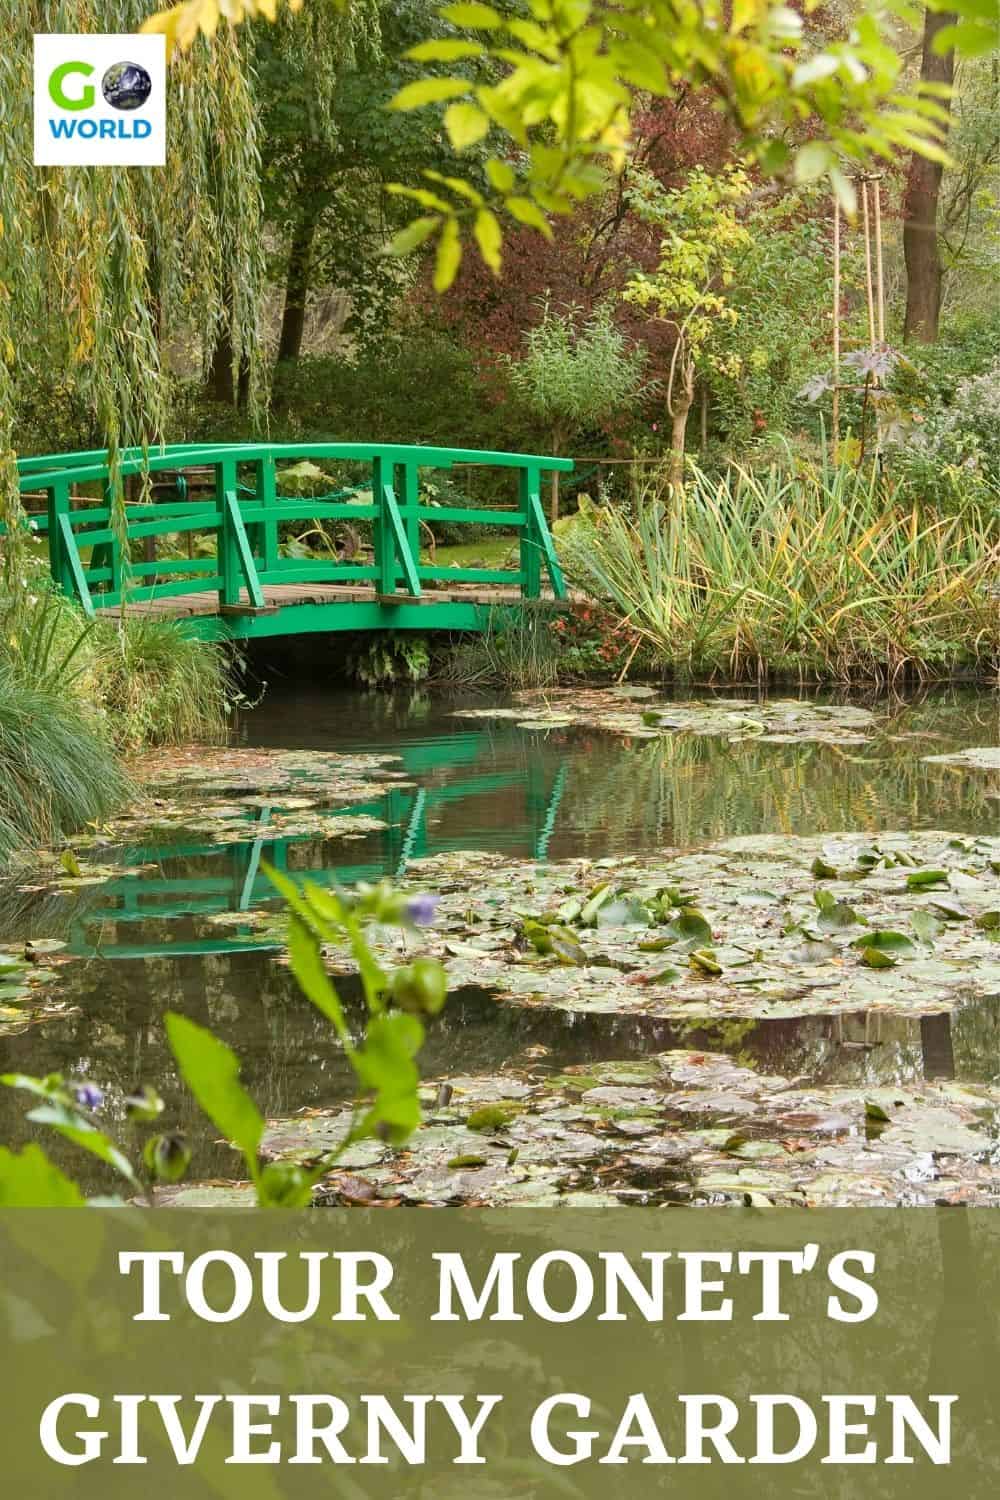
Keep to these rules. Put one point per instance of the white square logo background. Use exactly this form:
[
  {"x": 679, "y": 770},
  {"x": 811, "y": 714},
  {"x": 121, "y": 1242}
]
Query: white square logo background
[{"x": 101, "y": 52}]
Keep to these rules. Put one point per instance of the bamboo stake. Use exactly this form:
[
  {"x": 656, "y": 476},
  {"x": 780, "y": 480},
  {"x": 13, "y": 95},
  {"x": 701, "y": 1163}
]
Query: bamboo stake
[
  {"x": 877, "y": 203},
  {"x": 869, "y": 290},
  {"x": 836, "y": 330}
]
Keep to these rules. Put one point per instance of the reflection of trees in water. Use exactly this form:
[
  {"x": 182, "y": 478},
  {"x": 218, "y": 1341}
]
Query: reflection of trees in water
[{"x": 687, "y": 789}]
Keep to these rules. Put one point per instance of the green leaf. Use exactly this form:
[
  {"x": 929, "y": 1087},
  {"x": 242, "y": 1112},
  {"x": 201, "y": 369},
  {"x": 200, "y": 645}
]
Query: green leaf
[
  {"x": 814, "y": 69},
  {"x": 51, "y": 1087},
  {"x": 874, "y": 1111},
  {"x": 690, "y": 926},
  {"x": 886, "y": 941},
  {"x": 465, "y": 125},
  {"x": 478, "y": 17},
  {"x": 385, "y": 1064},
  {"x": 211, "y": 1071},
  {"x": 812, "y": 160},
  {"x": 75, "y": 1128},
  {"x": 449, "y": 256},
  {"x": 429, "y": 91},
  {"x": 29, "y": 1180},
  {"x": 838, "y": 918},
  {"x": 875, "y": 958},
  {"x": 922, "y": 880},
  {"x": 526, "y": 211},
  {"x": 445, "y": 50},
  {"x": 501, "y": 175},
  {"x": 283, "y": 1184},
  {"x": 926, "y": 926},
  {"x": 489, "y": 238},
  {"x": 412, "y": 235},
  {"x": 307, "y": 964},
  {"x": 705, "y": 962}
]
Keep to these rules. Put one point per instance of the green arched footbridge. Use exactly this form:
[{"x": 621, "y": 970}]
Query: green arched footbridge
[{"x": 210, "y": 541}]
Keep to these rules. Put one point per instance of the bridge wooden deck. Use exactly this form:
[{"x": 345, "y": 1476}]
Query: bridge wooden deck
[{"x": 243, "y": 578}]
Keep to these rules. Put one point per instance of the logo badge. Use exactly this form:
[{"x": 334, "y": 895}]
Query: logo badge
[{"x": 100, "y": 101}]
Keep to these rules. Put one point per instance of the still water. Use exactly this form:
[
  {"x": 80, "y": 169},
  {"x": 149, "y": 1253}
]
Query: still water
[{"x": 150, "y": 939}]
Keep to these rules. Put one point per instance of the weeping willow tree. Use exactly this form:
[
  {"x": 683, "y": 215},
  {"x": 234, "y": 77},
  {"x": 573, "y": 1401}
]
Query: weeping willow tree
[{"x": 98, "y": 265}]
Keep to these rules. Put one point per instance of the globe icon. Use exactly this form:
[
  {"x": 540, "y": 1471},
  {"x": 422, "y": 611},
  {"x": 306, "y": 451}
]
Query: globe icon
[{"x": 126, "y": 86}]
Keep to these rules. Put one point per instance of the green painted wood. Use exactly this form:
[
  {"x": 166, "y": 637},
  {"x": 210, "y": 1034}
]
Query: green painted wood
[
  {"x": 401, "y": 544},
  {"x": 229, "y": 567},
  {"x": 246, "y": 524},
  {"x": 58, "y": 506},
  {"x": 308, "y": 510},
  {"x": 73, "y": 562},
  {"x": 531, "y": 572},
  {"x": 308, "y": 619},
  {"x": 267, "y": 534},
  {"x": 509, "y": 576},
  {"x": 382, "y": 537},
  {"x": 504, "y": 520},
  {"x": 543, "y": 537},
  {"x": 207, "y": 585},
  {"x": 174, "y": 565},
  {"x": 241, "y": 545},
  {"x": 313, "y": 570},
  {"x": 214, "y": 454}
]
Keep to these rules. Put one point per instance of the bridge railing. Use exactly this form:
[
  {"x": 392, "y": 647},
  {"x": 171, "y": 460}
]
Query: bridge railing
[{"x": 238, "y": 522}]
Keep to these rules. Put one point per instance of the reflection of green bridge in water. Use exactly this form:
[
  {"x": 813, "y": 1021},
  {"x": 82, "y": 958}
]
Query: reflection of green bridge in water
[
  {"x": 225, "y": 572},
  {"x": 243, "y": 884}
]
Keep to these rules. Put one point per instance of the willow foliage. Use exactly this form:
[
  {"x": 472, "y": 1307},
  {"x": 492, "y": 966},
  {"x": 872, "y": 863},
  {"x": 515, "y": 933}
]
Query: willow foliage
[{"x": 99, "y": 266}]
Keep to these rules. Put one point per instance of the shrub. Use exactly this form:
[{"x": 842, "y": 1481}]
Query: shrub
[{"x": 807, "y": 575}]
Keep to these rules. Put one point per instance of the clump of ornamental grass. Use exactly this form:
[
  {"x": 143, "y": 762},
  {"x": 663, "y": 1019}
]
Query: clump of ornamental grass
[
  {"x": 158, "y": 686},
  {"x": 813, "y": 576},
  {"x": 58, "y": 769}
]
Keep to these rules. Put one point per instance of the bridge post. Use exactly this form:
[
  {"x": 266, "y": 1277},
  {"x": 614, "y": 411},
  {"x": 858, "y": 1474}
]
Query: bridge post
[
  {"x": 385, "y": 545},
  {"x": 229, "y": 563},
  {"x": 58, "y": 506},
  {"x": 410, "y": 492},
  {"x": 531, "y": 542},
  {"x": 266, "y": 537}
]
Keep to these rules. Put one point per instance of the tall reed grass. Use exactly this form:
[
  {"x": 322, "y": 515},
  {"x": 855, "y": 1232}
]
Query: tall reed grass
[
  {"x": 758, "y": 575},
  {"x": 516, "y": 650}
]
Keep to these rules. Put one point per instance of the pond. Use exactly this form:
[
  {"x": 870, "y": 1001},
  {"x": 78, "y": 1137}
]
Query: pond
[{"x": 175, "y": 913}]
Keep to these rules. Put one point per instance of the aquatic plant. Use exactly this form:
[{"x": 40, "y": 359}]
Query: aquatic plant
[
  {"x": 383, "y": 1061},
  {"x": 517, "y": 649},
  {"x": 806, "y": 575},
  {"x": 389, "y": 657}
]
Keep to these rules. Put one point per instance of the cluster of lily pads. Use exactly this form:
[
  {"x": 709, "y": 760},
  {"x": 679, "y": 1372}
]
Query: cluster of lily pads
[
  {"x": 780, "y": 721},
  {"x": 680, "y": 1127},
  {"x": 760, "y": 925}
]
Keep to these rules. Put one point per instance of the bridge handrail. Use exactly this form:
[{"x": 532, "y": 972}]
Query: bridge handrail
[
  {"x": 248, "y": 553},
  {"x": 199, "y": 455}
]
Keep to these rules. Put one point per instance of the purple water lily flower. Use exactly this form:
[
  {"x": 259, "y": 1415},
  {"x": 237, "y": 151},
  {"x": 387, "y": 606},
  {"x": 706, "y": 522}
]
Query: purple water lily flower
[
  {"x": 88, "y": 1096},
  {"x": 420, "y": 909}
]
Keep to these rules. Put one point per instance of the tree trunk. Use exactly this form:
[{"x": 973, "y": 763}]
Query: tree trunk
[
  {"x": 220, "y": 373},
  {"x": 682, "y": 404},
  {"x": 297, "y": 284},
  {"x": 920, "y": 206}
]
